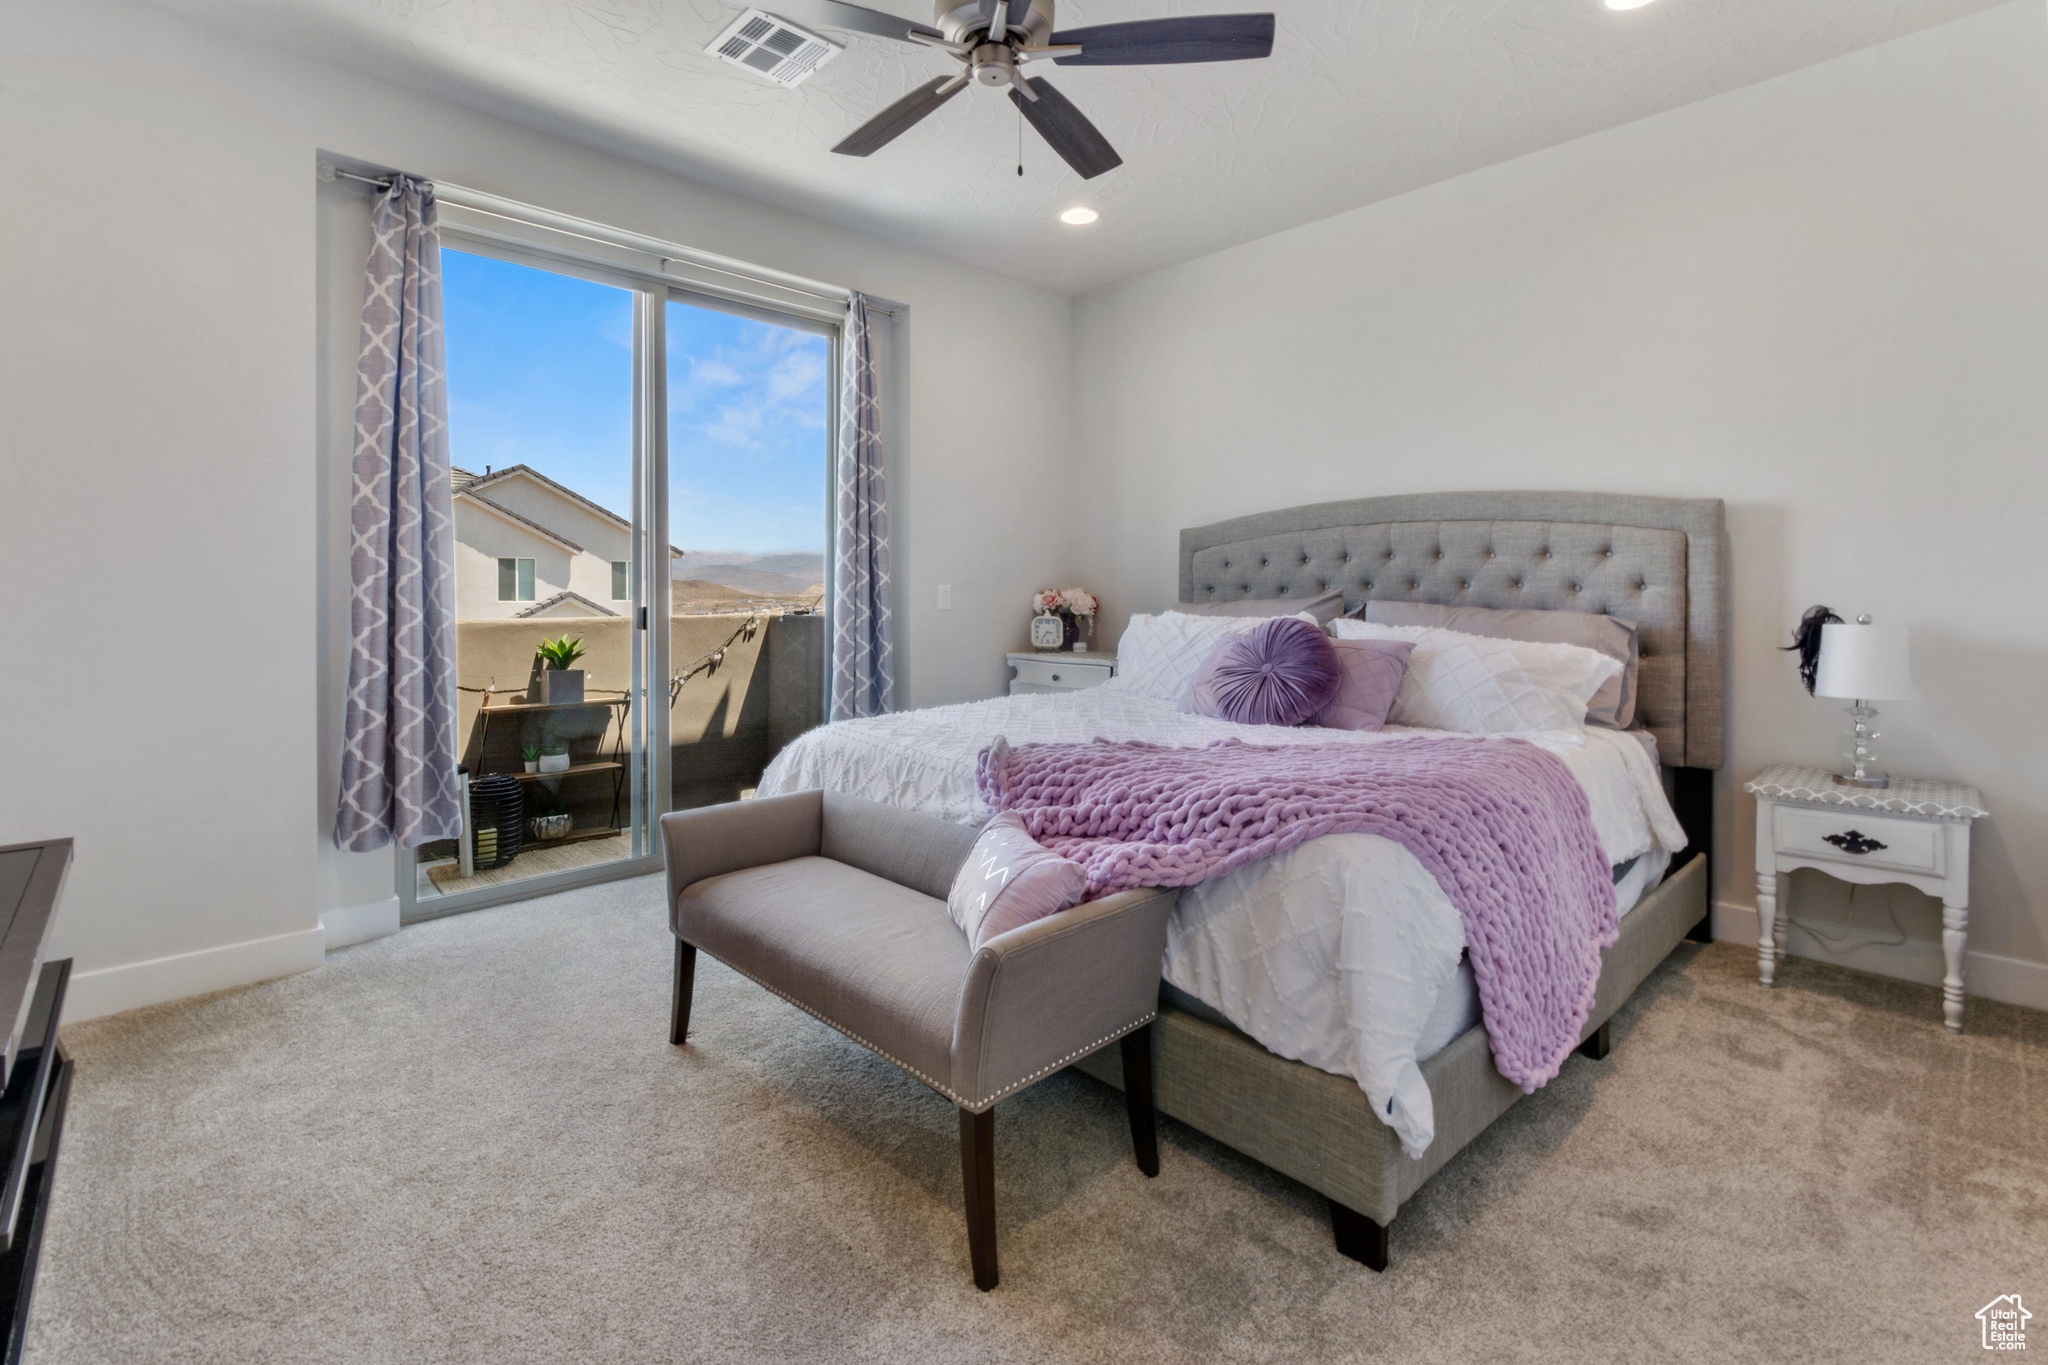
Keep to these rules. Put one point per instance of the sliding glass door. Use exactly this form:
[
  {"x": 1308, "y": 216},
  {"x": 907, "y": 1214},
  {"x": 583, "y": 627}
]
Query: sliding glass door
[
  {"x": 542, "y": 393},
  {"x": 749, "y": 444},
  {"x": 640, "y": 505}
]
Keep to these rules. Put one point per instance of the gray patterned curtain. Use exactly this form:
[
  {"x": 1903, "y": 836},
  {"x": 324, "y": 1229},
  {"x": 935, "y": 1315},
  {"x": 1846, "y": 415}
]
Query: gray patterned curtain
[
  {"x": 398, "y": 778},
  {"x": 863, "y": 667}
]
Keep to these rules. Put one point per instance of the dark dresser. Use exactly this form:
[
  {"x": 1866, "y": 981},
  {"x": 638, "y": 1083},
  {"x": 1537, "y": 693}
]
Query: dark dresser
[{"x": 35, "y": 1076}]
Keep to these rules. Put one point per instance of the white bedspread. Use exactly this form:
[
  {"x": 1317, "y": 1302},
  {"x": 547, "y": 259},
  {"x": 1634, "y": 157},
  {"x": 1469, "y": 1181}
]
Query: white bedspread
[{"x": 1336, "y": 953}]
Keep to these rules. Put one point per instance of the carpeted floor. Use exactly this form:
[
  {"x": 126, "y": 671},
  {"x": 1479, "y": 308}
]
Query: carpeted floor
[{"x": 472, "y": 1142}]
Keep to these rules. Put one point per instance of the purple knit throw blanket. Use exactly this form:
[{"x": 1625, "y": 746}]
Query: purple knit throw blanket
[{"x": 1503, "y": 827}]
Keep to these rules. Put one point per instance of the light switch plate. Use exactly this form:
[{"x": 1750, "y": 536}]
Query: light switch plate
[{"x": 945, "y": 597}]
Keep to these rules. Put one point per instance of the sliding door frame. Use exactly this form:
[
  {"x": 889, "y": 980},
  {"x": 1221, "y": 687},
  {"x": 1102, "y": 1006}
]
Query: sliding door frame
[
  {"x": 646, "y": 722},
  {"x": 653, "y": 289}
]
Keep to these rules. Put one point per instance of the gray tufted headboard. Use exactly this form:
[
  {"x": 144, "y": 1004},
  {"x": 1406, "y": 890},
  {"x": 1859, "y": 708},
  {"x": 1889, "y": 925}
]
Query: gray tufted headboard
[{"x": 1654, "y": 561}]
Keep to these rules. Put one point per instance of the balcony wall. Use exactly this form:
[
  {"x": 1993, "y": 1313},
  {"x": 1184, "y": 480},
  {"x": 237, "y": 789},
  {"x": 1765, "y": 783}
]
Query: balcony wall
[{"x": 726, "y": 724}]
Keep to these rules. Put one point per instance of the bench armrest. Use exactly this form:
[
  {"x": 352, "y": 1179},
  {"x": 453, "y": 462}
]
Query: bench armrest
[
  {"x": 714, "y": 840},
  {"x": 1052, "y": 991}
]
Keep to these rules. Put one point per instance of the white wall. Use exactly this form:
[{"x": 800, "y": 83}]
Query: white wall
[
  {"x": 165, "y": 270},
  {"x": 1823, "y": 298}
]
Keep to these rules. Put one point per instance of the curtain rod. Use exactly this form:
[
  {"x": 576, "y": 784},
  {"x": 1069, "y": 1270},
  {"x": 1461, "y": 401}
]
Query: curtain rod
[{"x": 477, "y": 201}]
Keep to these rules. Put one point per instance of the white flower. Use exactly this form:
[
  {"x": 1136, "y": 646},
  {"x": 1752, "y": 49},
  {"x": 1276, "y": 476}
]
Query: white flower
[{"x": 1078, "y": 600}]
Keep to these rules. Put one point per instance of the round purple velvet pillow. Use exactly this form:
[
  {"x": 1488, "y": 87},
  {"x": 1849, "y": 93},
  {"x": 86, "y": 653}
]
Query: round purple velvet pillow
[{"x": 1281, "y": 673}]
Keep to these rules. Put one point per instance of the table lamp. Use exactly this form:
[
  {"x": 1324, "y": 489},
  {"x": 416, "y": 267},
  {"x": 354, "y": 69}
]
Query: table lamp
[{"x": 1863, "y": 663}]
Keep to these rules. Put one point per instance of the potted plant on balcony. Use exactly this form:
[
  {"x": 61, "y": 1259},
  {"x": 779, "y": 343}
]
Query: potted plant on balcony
[
  {"x": 554, "y": 757},
  {"x": 564, "y": 684}
]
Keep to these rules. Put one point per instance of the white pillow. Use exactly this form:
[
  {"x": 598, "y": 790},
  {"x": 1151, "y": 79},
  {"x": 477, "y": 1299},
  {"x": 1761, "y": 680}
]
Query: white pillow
[
  {"x": 1159, "y": 656},
  {"x": 1483, "y": 686}
]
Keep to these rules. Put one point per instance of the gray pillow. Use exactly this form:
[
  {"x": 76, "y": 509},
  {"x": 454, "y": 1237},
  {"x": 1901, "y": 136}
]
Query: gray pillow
[
  {"x": 1325, "y": 609},
  {"x": 1613, "y": 706}
]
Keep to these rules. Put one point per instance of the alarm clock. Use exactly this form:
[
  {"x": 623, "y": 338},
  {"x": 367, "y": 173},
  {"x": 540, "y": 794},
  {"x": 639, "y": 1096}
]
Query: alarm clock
[{"x": 1048, "y": 631}]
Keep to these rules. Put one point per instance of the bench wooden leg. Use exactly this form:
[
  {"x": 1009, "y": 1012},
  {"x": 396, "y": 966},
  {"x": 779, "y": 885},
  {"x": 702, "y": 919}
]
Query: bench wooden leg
[
  {"x": 1137, "y": 1050},
  {"x": 1596, "y": 1046},
  {"x": 686, "y": 980},
  {"x": 1359, "y": 1237},
  {"x": 978, "y": 1177}
]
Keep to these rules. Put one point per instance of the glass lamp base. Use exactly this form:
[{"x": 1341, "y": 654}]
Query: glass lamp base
[{"x": 1864, "y": 773}]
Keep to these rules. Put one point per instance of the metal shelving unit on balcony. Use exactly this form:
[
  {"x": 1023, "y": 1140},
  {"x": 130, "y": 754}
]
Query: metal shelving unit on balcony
[{"x": 613, "y": 763}]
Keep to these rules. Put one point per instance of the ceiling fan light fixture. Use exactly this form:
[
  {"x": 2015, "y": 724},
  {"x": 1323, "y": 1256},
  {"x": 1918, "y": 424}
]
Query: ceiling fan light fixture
[
  {"x": 1079, "y": 217},
  {"x": 1625, "y": 4}
]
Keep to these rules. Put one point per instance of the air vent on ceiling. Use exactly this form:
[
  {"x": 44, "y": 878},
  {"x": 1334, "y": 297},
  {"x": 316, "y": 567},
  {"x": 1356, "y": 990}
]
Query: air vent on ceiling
[{"x": 774, "y": 48}]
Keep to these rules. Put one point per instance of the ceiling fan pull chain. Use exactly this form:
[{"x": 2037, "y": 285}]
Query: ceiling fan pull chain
[{"x": 1020, "y": 139}]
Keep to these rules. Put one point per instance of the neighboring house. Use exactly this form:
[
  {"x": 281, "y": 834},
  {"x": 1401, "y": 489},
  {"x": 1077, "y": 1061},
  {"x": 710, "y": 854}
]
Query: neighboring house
[{"x": 527, "y": 546}]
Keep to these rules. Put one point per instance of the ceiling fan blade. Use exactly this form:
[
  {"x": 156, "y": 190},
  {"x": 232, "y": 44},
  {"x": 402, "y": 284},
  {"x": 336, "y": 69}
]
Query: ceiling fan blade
[
  {"x": 1079, "y": 143},
  {"x": 885, "y": 127},
  {"x": 1155, "y": 42},
  {"x": 859, "y": 18}
]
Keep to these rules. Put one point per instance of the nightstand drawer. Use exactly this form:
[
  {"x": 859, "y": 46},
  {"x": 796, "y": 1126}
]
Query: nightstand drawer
[
  {"x": 1908, "y": 845},
  {"x": 1061, "y": 674}
]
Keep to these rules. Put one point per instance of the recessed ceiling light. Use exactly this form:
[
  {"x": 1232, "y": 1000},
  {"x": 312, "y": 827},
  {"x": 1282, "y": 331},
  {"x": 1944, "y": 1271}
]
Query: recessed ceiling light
[
  {"x": 1079, "y": 217},
  {"x": 1626, "y": 4}
]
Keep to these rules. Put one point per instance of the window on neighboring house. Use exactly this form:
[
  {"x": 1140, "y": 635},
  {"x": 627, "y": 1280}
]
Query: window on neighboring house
[
  {"x": 515, "y": 580},
  {"x": 618, "y": 580}
]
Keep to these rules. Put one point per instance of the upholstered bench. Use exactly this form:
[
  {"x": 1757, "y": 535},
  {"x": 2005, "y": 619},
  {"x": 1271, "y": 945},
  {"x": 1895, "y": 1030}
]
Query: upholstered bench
[{"x": 838, "y": 905}]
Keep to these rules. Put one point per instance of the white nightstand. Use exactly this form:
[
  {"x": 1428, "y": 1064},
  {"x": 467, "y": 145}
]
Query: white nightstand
[
  {"x": 1912, "y": 831},
  {"x": 1050, "y": 672}
]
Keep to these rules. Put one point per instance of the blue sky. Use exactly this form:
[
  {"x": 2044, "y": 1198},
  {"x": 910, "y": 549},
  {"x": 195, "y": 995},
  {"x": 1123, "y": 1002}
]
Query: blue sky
[{"x": 540, "y": 373}]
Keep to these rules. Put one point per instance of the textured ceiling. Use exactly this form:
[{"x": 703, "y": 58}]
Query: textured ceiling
[{"x": 1361, "y": 100}]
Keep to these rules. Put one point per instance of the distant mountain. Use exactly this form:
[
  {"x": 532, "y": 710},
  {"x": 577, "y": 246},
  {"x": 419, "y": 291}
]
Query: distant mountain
[
  {"x": 698, "y": 590},
  {"x": 754, "y": 582},
  {"x": 804, "y": 568},
  {"x": 686, "y": 566}
]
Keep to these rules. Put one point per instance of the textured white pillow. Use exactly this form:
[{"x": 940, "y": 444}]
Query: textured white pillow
[
  {"x": 1159, "y": 656},
  {"x": 1482, "y": 686}
]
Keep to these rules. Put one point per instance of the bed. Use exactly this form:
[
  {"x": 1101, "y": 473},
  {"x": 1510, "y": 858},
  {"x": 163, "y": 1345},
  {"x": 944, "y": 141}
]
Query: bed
[{"x": 1406, "y": 1079}]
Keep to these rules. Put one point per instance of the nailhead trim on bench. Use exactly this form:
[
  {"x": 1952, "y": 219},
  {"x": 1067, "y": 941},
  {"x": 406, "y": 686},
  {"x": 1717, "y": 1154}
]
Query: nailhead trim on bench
[
  {"x": 902, "y": 1065},
  {"x": 1073, "y": 1056}
]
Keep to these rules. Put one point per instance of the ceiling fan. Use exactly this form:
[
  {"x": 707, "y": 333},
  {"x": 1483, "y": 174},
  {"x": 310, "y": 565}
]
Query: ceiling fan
[{"x": 994, "y": 39}]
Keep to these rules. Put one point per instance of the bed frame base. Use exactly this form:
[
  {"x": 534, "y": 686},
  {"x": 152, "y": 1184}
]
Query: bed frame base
[
  {"x": 1358, "y": 1237},
  {"x": 1596, "y": 1045},
  {"x": 1320, "y": 1129}
]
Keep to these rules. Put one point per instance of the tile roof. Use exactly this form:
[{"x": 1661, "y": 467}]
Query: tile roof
[
  {"x": 466, "y": 482},
  {"x": 558, "y": 599},
  {"x": 527, "y": 522}
]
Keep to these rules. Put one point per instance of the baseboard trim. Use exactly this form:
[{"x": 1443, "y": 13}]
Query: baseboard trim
[
  {"x": 349, "y": 925},
  {"x": 113, "y": 990},
  {"x": 2010, "y": 979}
]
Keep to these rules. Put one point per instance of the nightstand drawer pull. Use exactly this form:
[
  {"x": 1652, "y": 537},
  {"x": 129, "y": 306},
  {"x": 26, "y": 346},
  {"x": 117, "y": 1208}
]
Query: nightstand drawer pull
[{"x": 1875, "y": 841}]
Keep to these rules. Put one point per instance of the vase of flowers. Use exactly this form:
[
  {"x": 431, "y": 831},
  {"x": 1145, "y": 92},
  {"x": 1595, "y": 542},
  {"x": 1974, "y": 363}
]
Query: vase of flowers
[{"x": 1075, "y": 608}]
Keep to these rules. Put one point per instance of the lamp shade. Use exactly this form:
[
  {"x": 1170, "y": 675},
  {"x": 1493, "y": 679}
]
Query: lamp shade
[{"x": 1866, "y": 663}]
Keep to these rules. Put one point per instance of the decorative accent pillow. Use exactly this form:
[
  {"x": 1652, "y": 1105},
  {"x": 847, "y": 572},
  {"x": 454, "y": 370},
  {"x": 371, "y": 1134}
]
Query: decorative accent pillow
[
  {"x": 1009, "y": 880},
  {"x": 1281, "y": 673},
  {"x": 1373, "y": 670},
  {"x": 1159, "y": 656},
  {"x": 1613, "y": 706},
  {"x": 1483, "y": 686},
  {"x": 1325, "y": 609}
]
